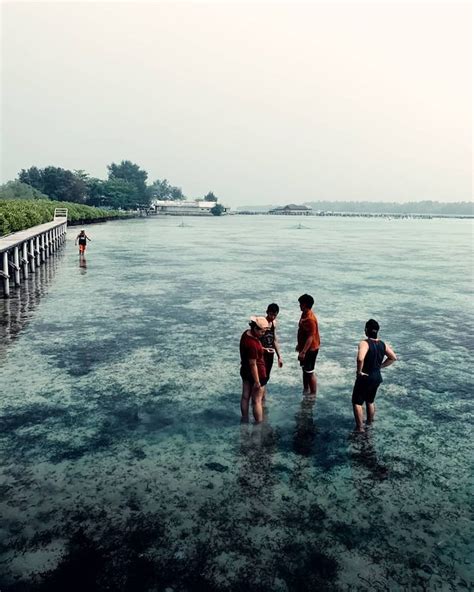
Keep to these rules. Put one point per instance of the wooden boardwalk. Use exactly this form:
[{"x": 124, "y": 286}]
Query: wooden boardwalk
[{"x": 21, "y": 252}]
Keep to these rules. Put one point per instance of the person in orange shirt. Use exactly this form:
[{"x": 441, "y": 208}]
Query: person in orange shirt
[{"x": 308, "y": 343}]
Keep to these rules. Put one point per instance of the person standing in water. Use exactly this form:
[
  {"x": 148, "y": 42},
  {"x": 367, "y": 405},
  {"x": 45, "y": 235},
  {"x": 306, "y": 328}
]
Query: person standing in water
[
  {"x": 269, "y": 340},
  {"x": 82, "y": 239},
  {"x": 372, "y": 355},
  {"x": 308, "y": 343},
  {"x": 252, "y": 368}
]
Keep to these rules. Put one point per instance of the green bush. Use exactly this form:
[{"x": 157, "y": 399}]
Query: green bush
[{"x": 19, "y": 214}]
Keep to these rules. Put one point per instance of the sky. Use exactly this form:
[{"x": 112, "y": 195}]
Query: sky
[{"x": 261, "y": 103}]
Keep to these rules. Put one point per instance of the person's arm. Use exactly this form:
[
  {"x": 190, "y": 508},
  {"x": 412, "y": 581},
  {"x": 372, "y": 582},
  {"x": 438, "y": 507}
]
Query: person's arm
[
  {"x": 254, "y": 373},
  {"x": 89, "y": 239},
  {"x": 306, "y": 347},
  {"x": 77, "y": 238},
  {"x": 361, "y": 353},
  {"x": 391, "y": 357},
  {"x": 276, "y": 345}
]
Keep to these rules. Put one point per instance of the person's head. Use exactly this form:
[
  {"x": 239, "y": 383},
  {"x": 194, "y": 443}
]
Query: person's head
[
  {"x": 258, "y": 325},
  {"x": 272, "y": 311},
  {"x": 82, "y": 232},
  {"x": 372, "y": 328},
  {"x": 306, "y": 302}
]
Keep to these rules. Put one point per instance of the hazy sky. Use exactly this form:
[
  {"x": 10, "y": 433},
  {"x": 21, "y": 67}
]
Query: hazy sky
[{"x": 260, "y": 103}]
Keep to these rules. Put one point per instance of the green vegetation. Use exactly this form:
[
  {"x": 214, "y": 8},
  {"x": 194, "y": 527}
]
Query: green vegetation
[
  {"x": 31, "y": 199},
  {"x": 125, "y": 188},
  {"x": 217, "y": 210},
  {"x": 19, "y": 214}
]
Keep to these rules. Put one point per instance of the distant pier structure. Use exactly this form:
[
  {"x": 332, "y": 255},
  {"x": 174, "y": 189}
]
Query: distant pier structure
[{"x": 22, "y": 252}]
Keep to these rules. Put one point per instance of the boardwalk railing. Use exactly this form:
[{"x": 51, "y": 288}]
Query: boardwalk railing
[
  {"x": 60, "y": 213},
  {"x": 21, "y": 252}
]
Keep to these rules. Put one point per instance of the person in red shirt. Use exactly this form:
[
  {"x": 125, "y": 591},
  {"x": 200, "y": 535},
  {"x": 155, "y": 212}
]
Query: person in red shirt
[
  {"x": 252, "y": 368},
  {"x": 308, "y": 343}
]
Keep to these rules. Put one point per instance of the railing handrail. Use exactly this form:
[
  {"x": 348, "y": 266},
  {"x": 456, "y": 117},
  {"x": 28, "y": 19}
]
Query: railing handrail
[{"x": 60, "y": 213}]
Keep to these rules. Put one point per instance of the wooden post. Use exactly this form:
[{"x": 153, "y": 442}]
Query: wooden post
[
  {"x": 5, "y": 275},
  {"x": 46, "y": 244},
  {"x": 25, "y": 259},
  {"x": 38, "y": 251},
  {"x": 16, "y": 261},
  {"x": 32, "y": 255}
]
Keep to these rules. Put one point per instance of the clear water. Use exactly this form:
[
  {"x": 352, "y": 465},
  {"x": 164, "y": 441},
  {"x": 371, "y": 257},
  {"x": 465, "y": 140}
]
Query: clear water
[{"x": 124, "y": 462}]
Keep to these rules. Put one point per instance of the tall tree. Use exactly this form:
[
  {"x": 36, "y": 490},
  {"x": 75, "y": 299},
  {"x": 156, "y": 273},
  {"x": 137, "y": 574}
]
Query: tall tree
[
  {"x": 164, "y": 191},
  {"x": 113, "y": 193},
  {"x": 57, "y": 183},
  {"x": 210, "y": 197},
  {"x": 32, "y": 176},
  {"x": 130, "y": 172}
]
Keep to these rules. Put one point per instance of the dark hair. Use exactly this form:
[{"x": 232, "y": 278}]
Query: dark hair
[
  {"x": 372, "y": 328},
  {"x": 273, "y": 307},
  {"x": 307, "y": 300},
  {"x": 253, "y": 325}
]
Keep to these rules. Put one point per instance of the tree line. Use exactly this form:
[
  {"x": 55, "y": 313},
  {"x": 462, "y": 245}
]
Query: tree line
[
  {"x": 125, "y": 188},
  {"x": 461, "y": 208}
]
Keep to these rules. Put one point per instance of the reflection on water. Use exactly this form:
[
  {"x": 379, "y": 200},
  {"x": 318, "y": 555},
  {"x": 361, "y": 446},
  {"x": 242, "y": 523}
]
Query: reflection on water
[
  {"x": 17, "y": 311},
  {"x": 120, "y": 440},
  {"x": 363, "y": 455},
  {"x": 305, "y": 428},
  {"x": 82, "y": 264}
]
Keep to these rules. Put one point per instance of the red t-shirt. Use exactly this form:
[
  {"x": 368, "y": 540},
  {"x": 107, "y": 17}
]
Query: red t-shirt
[
  {"x": 251, "y": 349},
  {"x": 308, "y": 326}
]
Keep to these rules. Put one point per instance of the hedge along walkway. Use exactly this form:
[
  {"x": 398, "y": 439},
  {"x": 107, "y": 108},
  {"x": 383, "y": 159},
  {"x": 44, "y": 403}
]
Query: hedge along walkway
[{"x": 18, "y": 214}]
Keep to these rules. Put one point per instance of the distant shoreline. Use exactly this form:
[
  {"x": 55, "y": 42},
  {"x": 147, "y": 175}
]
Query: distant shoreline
[{"x": 355, "y": 215}]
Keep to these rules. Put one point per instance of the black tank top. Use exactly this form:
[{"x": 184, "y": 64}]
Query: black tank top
[
  {"x": 268, "y": 338},
  {"x": 373, "y": 359},
  {"x": 82, "y": 239}
]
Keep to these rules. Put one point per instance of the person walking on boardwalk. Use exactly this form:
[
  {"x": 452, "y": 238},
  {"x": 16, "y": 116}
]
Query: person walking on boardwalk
[
  {"x": 372, "y": 355},
  {"x": 269, "y": 340},
  {"x": 308, "y": 343},
  {"x": 82, "y": 239},
  {"x": 252, "y": 368}
]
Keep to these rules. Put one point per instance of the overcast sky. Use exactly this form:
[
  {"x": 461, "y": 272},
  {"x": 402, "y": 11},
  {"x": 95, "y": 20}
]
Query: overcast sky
[{"x": 265, "y": 103}]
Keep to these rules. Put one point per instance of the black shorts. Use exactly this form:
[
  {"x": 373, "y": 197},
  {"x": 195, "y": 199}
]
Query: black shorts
[
  {"x": 309, "y": 361},
  {"x": 364, "y": 390},
  {"x": 249, "y": 378},
  {"x": 268, "y": 363}
]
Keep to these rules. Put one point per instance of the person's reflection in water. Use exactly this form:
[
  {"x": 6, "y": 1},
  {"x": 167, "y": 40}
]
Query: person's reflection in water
[
  {"x": 257, "y": 446},
  {"x": 82, "y": 264},
  {"x": 364, "y": 456},
  {"x": 305, "y": 429}
]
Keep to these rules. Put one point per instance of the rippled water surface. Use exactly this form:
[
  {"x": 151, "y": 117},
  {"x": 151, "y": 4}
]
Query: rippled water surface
[{"x": 124, "y": 462}]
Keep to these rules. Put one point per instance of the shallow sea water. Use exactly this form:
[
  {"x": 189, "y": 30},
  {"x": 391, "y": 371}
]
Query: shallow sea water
[{"x": 124, "y": 462}]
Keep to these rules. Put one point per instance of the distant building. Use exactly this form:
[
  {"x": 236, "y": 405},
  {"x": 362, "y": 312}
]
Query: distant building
[
  {"x": 292, "y": 210},
  {"x": 184, "y": 207}
]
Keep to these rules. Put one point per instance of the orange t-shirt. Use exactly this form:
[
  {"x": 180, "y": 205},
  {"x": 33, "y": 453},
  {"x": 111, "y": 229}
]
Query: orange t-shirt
[{"x": 308, "y": 325}]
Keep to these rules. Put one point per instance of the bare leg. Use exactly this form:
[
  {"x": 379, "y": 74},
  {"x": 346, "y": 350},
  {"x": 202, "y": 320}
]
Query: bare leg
[
  {"x": 370, "y": 412},
  {"x": 306, "y": 388},
  {"x": 244, "y": 401},
  {"x": 257, "y": 396},
  {"x": 359, "y": 417},
  {"x": 312, "y": 383}
]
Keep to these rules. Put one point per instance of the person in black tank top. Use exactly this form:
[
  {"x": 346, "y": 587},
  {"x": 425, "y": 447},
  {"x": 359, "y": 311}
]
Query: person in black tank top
[
  {"x": 269, "y": 340},
  {"x": 373, "y": 355}
]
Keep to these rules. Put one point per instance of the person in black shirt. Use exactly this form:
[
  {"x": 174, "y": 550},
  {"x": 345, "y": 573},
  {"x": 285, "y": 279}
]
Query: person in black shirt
[
  {"x": 269, "y": 340},
  {"x": 373, "y": 354},
  {"x": 82, "y": 239}
]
